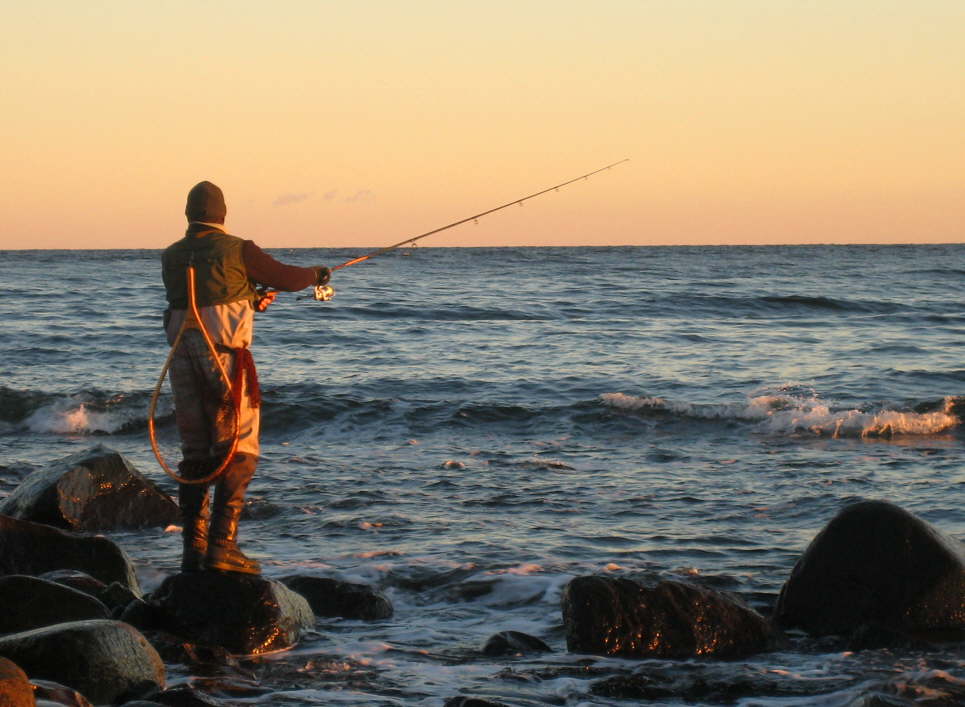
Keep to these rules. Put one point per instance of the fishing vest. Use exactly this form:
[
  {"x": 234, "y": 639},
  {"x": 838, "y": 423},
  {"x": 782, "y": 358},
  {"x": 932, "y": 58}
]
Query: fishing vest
[{"x": 220, "y": 276}]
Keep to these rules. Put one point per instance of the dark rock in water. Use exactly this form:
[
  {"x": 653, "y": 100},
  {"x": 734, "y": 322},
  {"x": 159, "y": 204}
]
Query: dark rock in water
[
  {"x": 514, "y": 643},
  {"x": 707, "y": 683},
  {"x": 77, "y": 580},
  {"x": 332, "y": 597},
  {"x": 637, "y": 686},
  {"x": 92, "y": 490},
  {"x": 116, "y": 596},
  {"x": 671, "y": 619},
  {"x": 103, "y": 660},
  {"x": 185, "y": 696},
  {"x": 245, "y": 614},
  {"x": 31, "y": 602},
  {"x": 15, "y": 688},
  {"x": 876, "y": 563},
  {"x": 53, "y": 693},
  {"x": 35, "y": 548},
  {"x": 142, "y": 616},
  {"x": 873, "y": 636}
]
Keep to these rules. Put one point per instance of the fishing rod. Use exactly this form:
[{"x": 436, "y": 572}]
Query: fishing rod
[{"x": 324, "y": 293}]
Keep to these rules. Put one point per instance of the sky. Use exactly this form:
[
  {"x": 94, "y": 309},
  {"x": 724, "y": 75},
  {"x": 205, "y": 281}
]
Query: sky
[{"x": 362, "y": 123}]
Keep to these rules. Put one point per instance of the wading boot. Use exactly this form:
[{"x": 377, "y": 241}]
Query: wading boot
[
  {"x": 229, "y": 498},
  {"x": 193, "y": 500}
]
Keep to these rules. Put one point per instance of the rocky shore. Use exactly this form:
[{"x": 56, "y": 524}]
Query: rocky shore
[{"x": 78, "y": 629}]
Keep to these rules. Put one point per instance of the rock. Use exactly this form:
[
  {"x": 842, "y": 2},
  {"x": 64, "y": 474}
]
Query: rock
[
  {"x": 142, "y": 616},
  {"x": 31, "y": 602},
  {"x": 104, "y": 660},
  {"x": 116, "y": 596},
  {"x": 245, "y": 614},
  {"x": 514, "y": 643},
  {"x": 875, "y": 563},
  {"x": 53, "y": 693},
  {"x": 94, "y": 490},
  {"x": 671, "y": 619},
  {"x": 186, "y": 696},
  {"x": 332, "y": 597},
  {"x": 708, "y": 682},
  {"x": 874, "y": 636},
  {"x": 76, "y": 579},
  {"x": 15, "y": 688},
  {"x": 35, "y": 548}
]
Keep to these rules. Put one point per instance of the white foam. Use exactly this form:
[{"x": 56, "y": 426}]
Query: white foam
[
  {"x": 67, "y": 416},
  {"x": 799, "y": 412}
]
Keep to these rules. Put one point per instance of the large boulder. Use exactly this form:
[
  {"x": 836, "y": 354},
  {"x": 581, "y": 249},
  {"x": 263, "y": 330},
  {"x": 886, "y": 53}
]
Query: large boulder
[
  {"x": 667, "y": 619},
  {"x": 30, "y": 602},
  {"x": 332, "y": 597},
  {"x": 106, "y": 661},
  {"x": 877, "y": 564},
  {"x": 245, "y": 614},
  {"x": 15, "y": 688},
  {"x": 93, "y": 490},
  {"x": 35, "y": 548}
]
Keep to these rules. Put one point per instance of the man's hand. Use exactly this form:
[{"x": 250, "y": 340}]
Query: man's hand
[{"x": 266, "y": 297}]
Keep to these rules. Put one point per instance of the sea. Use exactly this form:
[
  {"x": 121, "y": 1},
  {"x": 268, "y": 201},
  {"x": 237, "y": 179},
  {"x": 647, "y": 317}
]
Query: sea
[{"x": 467, "y": 429}]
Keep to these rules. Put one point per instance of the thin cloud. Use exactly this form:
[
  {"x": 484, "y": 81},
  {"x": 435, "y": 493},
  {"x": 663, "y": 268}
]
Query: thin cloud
[
  {"x": 289, "y": 199},
  {"x": 363, "y": 195}
]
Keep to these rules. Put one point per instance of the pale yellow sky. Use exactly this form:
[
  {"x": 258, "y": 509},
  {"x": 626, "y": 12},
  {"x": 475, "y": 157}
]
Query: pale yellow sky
[{"x": 362, "y": 123}]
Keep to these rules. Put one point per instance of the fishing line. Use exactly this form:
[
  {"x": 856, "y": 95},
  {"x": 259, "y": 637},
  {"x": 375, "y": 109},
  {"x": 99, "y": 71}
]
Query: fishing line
[{"x": 324, "y": 293}]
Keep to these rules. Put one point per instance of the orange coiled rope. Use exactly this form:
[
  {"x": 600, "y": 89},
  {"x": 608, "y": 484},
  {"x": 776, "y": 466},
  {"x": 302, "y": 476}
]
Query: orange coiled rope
[{"x": 192, "y": 320}]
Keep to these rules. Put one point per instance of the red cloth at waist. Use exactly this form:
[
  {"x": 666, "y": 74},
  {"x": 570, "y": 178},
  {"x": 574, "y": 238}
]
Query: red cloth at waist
[{"x": 244, "y": 372}]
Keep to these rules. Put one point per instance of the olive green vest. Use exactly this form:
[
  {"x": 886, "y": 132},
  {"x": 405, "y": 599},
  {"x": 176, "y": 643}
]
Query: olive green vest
[{"x": 220, "y": 276}]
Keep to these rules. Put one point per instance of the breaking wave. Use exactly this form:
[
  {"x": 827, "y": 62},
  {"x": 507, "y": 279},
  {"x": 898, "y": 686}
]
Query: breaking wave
[
  {"x": 83, "y": 413},
  {"x": 791, "y": 411}
]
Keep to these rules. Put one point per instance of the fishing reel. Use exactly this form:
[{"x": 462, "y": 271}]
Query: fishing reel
[{"x": 323, "y": 293}]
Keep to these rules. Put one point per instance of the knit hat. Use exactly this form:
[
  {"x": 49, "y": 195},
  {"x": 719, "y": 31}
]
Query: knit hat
[{"x": 205, "y": 203}]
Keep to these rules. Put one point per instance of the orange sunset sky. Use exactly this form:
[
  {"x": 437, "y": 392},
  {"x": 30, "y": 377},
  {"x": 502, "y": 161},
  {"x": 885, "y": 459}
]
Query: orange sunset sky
[{"x": 362, "y": 123}]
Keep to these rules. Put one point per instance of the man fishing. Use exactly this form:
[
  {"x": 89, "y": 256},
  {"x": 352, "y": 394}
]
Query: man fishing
[{"x": 215, "y": 402}]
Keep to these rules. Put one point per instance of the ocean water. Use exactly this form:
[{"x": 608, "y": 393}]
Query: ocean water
[{"x": 468, "y": 429}]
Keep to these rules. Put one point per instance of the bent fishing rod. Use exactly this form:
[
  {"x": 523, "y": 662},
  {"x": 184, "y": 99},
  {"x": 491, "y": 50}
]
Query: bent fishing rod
[{"x": 324, "y": 293}]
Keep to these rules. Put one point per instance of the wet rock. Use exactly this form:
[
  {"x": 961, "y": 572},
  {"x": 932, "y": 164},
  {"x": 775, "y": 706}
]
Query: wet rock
[
  {"x": 708, "y": 682},
  {"x": 668, "y": 619},
  {"x": 332, "y": 597},
  {"x": 53, "y": 693},
  {"x": 637, "y": 686},
  {"x": 94, "y": 490},
  {"x": 875, "y": 563},
  {"x": 77, "y": 580},
  {"x": 244, "y": 614},
  {"x": 116, "y": 597},
  {"x": 514, "y": 643},
  {"x": 104, "y": 660},
  {"x": 31, "y": 602},
  {"x": 142, "y": 616},
  {"x": 873, "y": 636},
  {"x": 185, "y": 696},
  {"x": 15, "y": 688},
  {"x": 35, "y": 548}
]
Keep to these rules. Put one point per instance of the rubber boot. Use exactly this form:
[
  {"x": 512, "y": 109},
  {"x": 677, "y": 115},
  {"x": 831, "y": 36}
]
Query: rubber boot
[
  {"x": 193, "y": 500},
  {"x": 229, "y": 498}
]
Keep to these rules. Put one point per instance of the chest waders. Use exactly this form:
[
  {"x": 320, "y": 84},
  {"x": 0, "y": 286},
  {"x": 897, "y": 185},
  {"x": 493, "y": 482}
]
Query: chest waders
[{"x": 192, "y": 320}]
